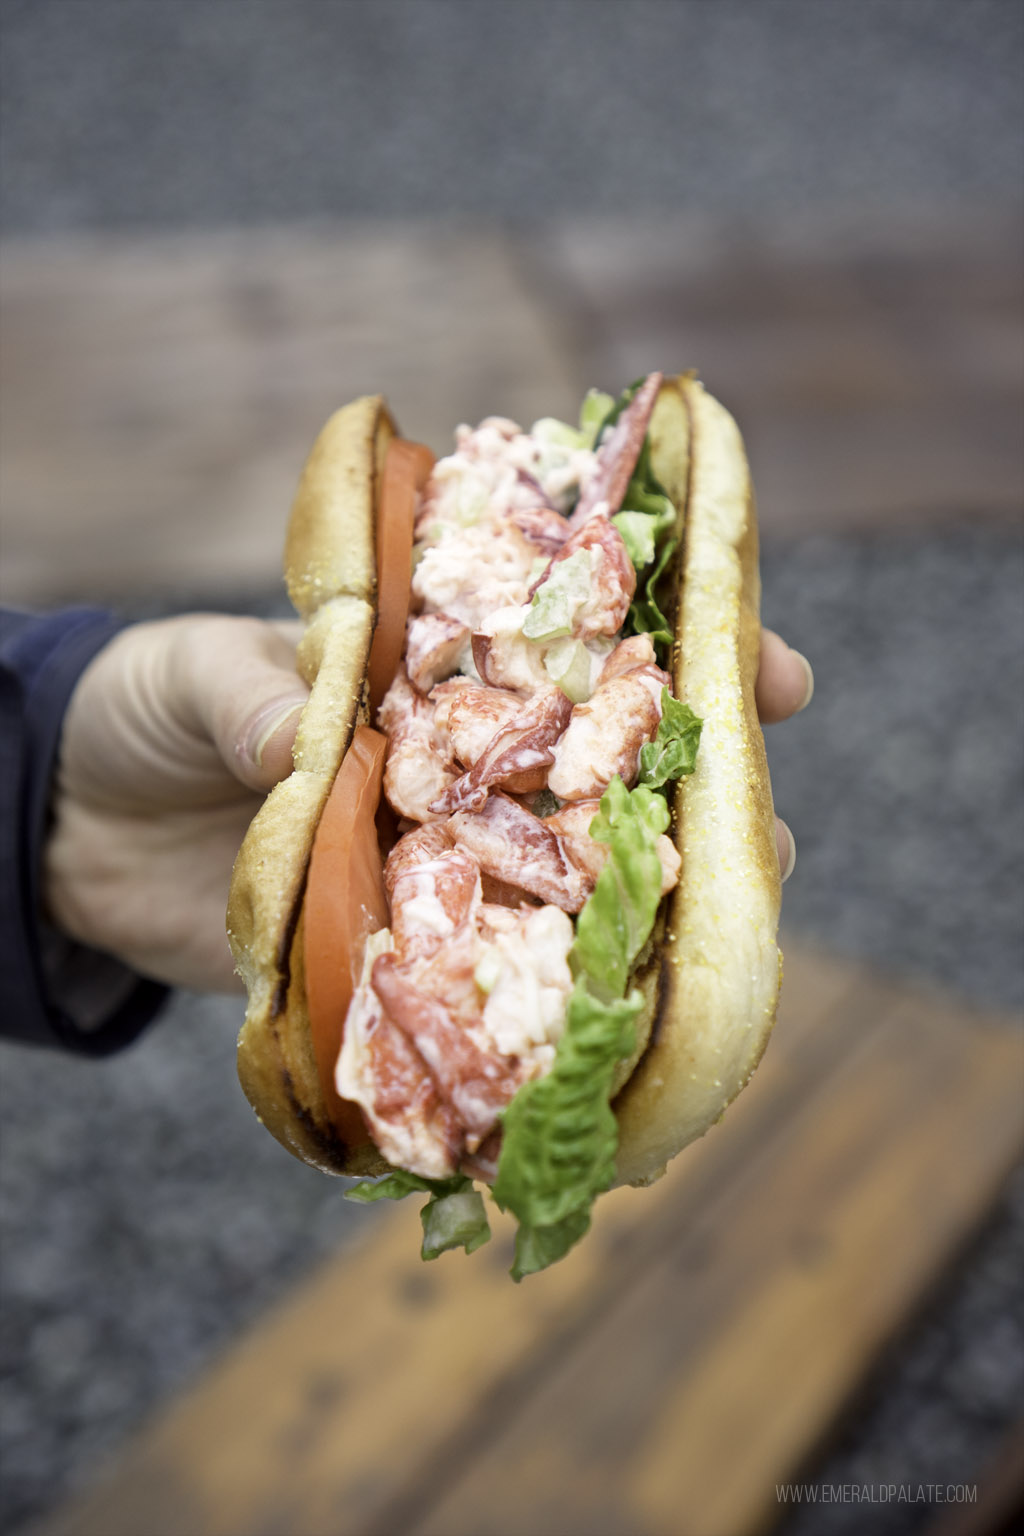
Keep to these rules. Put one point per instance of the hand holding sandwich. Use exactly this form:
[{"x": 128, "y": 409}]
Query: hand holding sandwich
[
  {"x": 512, "y": 919},
  {"x": 173, "y": 733}
]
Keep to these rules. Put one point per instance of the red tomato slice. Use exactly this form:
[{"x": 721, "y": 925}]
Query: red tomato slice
[
  {"x": 344, "y": 903},
  {"x": 406, "y": 471}
]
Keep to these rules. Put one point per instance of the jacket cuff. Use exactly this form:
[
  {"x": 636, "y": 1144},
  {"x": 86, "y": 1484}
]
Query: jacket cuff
[{"x": 53, "y": 992}]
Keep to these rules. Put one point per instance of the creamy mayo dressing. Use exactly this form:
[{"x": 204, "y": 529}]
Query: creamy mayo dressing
[
  {"x": 425, "y": 912},
  {"x": 406, "y": 1138},
  {"x": 490, "y": 522},
  {"x": 470, "y": 571},
  {"x": 472, "y": 559},
  {"x": 525, "y": 1010}
]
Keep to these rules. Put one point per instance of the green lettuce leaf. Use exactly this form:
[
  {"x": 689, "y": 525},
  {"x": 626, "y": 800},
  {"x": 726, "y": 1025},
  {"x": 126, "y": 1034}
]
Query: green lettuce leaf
[
  {"x": 558, "y": 433},
  {"x": 457, "y": 1220},
  {"x": 559, "y": 1134},
  {"x": 639, "y": 534},
  {"x": 398, "y": 1183},
  {"x": 673, "y": 752},
  {"x": 557, "y": 601},
  {"x": 642, "y": 528},
  {"x": 648, "y": 525},
  {"x": 593, "y": 415},
  {"x": 567, "y": 663},
  {"x": 614, "y": 409},
  {"x": 539, "y": 1247},
  {"x": 616, "y": 921},
  {"x": 645, "y": 616},
  {"x": 644, "y": 494},
  {"x": 453, "y": 1217}
]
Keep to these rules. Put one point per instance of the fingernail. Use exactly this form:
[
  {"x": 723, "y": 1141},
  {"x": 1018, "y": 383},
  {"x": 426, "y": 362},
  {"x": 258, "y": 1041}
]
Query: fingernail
[
  {"x": 266, "y": 725},
  {"x": 790, "y": 864},
  {"x": 809, "y": 695}
]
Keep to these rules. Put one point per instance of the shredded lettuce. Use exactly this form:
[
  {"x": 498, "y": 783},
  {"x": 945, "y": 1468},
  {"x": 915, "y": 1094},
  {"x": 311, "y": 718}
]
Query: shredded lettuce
[
  {"x": 673, "y": 752},
  {"x": 567, "y": 663},
  {"x": 557, "y": 601},
  {"x": 453, "y": 1217}
]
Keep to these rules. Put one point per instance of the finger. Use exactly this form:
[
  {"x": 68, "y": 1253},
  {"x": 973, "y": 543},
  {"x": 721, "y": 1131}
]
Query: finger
[
  {"x": 247, "y": 695},
  {"x": 785, "y": 843},
  {"x": 785, "y": 682},
  {"x": 264, "y": 749},
  {"x": 291, "y": 629}
]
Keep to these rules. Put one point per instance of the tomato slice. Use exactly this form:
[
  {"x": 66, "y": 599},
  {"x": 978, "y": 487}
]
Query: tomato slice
[
  {"x": 407, "y": 468},
  {"x": 344, "y": 903},
  {"x": 345, "y": 898}
]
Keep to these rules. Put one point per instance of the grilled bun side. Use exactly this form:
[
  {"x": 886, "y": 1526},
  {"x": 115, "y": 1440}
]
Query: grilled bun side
[
  {"x": 719, "y": 962},
  {"x": 330, "y": 570},
  {"x": 327, "y": 551},
  {"x": 669, "y": 434}
]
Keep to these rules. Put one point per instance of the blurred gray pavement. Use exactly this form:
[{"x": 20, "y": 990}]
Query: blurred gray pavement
[{"x": 128, "y": 113}]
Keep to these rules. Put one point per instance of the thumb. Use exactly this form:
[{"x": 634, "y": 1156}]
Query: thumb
[
  {"x": 252, "y": 698},
  {"x": 263, "y": 749}
]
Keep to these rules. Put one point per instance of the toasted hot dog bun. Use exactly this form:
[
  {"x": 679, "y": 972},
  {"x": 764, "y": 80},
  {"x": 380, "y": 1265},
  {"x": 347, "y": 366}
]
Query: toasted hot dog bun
[
  {"x": 713, "y": 997},
  {"x": 330, "y": 571},
  {"x": 710, "y": 974}
]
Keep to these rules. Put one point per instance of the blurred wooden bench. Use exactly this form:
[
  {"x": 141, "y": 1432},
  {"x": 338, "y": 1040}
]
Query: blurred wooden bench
[
  {"x": 160, "y": 391},
  {"x": 687, "y": 1358}
]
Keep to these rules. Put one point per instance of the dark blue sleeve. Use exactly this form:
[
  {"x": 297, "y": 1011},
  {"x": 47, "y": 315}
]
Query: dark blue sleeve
[{"x": 41, "y": 660}]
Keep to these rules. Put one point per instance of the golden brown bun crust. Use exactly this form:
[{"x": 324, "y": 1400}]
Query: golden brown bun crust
[
  {"x": 330, "y": 569},
  {"x": 720, "y": 966},
  {"x": 329, "y": 547}
]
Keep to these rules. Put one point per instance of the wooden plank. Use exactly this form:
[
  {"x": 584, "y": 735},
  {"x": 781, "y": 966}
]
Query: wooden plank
[
  {"x": 876, "y": 369},
  {"x": 385, "y": 1395},
  {"x": 406, "y": 1312},
  {"x": 714, "y": 1379},
  {"x": 160, "y": 392}
]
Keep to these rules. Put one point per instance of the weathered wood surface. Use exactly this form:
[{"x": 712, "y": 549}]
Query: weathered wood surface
[
  {"x": 689, "y": 1356},
  {"x": 158, "y": 394}
]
